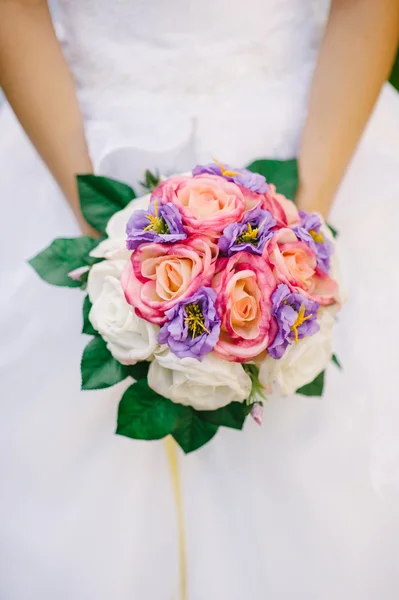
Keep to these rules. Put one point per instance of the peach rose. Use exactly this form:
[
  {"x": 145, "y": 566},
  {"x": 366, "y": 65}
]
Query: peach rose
[
  {"x": 251, "y": 198},
  {"x": 244, "y": 284},
  {"x": 158, "y": 276},
  {"x": 207, "y": 203},
  {"x": 290, "y": 210},
  {"x": 276, "y": 205},
  {"x": 295, "y": 264},
  {"x": 283, "y": 210}
]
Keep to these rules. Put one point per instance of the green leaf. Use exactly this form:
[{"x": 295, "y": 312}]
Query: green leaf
[
  {"x": 257, "y": 393},
  {"x": 394, "y": 79},
  {"x": 87, "y": 326},
  {"x": 99, "y": 368},
  {"x": 335, "y": 360},
  {"x": 192, "y": 431},
  {"x": 151, "y": 180},
  {"x": 139, "y": 370},
  {"x": 63, "y": 256},
  {"x": 145, "y": 415},
  {"x": 333, "y": 230},
  {"x": 315, "y": 388},
  {"x": 283, "y": 173},
  {"x": 233, "y": 415},
  {"x": 101, "y": 197}
]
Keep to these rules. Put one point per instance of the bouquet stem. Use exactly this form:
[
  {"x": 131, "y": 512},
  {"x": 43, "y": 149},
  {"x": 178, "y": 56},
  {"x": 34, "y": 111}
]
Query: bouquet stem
[{"x": 171, "y": 451}]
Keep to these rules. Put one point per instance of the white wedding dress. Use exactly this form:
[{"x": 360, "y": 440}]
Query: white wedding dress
[{"x": 307, "y": 505}]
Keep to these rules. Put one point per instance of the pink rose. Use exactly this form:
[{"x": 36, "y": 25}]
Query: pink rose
[
  {"x": 274, "y": 203},
  {"x": 207, "y": 203},
  {"x": 295, "y": 264},
  {"x": 283, "y": 210},
  {"x": 251, "y": 198},
  {"x": 290, "y": 210},
  {"x": 158, "y": 276},
  {"x": 244, "y": 284}
]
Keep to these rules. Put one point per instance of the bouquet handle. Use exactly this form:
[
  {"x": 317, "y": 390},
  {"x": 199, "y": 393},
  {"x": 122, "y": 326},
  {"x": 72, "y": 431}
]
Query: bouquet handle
[{"x": 171, "y": 451}]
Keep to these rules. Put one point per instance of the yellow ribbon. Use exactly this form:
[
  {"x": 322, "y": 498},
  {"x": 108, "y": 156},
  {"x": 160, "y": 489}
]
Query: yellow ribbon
[{"x": 174, "y": 468}]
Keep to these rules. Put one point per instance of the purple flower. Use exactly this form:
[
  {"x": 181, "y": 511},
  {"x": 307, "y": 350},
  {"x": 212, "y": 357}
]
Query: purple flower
[
  {"x": 296, "y": 318},
  {"x": 252, "y": 181},
  {"x": 193, "y": 326},
  {"x": 257, "y": 413},
  {"x": 310, "y": 232},
  {"x": 161, "y": 223},
  {"x": 251, "y": 234}
]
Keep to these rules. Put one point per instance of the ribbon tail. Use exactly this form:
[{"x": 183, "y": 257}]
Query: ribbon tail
[{"x": 171, "y": 451}]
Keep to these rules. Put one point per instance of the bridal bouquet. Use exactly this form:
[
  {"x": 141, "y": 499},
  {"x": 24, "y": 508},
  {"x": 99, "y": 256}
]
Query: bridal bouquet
[{"x": 209, "y": 292}]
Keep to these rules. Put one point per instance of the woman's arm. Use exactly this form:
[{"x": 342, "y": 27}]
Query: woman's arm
[
  {"x": 355, "y": 59},
  {"x": 40, "y": 89}
]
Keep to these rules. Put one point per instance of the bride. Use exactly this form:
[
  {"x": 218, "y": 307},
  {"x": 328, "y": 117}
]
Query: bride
[{"x": 307, "y": 505}]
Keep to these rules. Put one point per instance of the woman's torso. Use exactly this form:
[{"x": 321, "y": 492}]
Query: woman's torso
[{"x": 231, "y": 77}]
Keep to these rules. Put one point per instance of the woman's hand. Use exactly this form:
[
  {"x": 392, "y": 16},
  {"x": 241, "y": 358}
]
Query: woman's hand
[
  {"x": 36, "y": 80},
  {"x": 356, "y": 57},
  {"x": 306, "y": 200}
]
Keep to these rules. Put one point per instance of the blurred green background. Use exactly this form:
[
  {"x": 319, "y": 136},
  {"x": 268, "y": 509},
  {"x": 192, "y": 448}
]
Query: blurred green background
[{"x": 395, "y": 73}]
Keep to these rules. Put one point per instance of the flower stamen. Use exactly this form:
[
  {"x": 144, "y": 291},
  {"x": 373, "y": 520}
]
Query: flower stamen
[
  {"x": 157, "y": 223},
  {"x": 249, "y": 236},
  {"x": 318, "y": 237},
  {"x": 225, "y": 172},
  {"x": 195, "y": 320},
  {"x": 300, "y": 320}
]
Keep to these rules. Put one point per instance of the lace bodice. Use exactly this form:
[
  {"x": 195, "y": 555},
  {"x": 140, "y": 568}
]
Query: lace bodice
[
  {"x": 228, "y": 70},
  {"x": 188, "y": 46}
]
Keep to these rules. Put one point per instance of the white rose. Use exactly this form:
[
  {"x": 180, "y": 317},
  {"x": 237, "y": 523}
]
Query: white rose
[
  {"x": 302, "y": 362},
  {"x": 111, "y": 249},
  {"x": 128, "y": 337},
  {"x": 206, "y": 385},
  {"x": 114, "y": 247}
]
